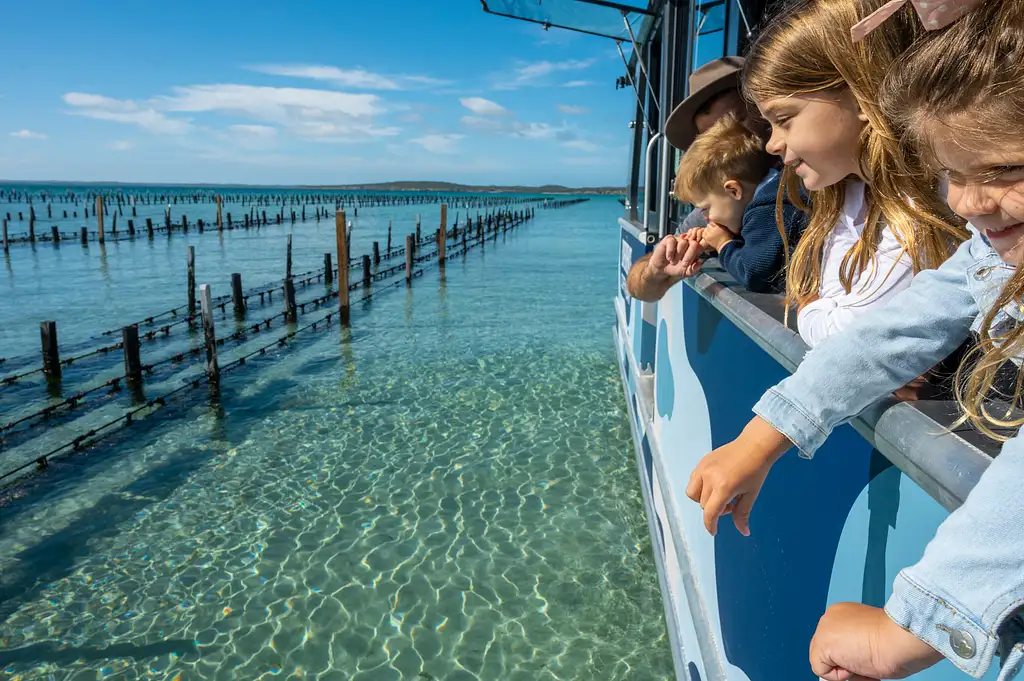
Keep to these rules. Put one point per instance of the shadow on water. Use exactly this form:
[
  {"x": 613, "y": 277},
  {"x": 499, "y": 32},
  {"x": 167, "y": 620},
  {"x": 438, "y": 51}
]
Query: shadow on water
[
  {"x": 56, "y": 654},
  {"x": 56, "y": 556}
]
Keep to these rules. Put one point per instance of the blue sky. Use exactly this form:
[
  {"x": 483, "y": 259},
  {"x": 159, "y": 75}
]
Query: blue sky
[{"x": 305, "y": 93}]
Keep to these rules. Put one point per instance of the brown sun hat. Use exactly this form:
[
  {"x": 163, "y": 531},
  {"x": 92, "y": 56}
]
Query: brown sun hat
[{"x": 707, "y": 82}]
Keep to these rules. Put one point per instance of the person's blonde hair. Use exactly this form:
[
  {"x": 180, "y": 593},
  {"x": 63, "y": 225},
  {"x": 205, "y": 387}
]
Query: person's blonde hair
[
  {"x": 966, "y": 83},
  {"x": 807, "y": 49},
  {"x": 725, "y": 151}
]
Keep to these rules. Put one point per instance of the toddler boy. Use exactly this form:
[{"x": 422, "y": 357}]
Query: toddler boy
[{"x": 729, "y": 176}]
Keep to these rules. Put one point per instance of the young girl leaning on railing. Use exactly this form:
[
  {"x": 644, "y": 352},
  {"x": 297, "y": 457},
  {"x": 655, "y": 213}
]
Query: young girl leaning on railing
[
  {"x": 875, "y": 217},
  {"x": 959, "y": 96}
]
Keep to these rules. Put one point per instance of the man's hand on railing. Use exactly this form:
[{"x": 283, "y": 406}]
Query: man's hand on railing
[
  {"x": 854, "y": 642},
  {"x": 677, "y": 256},
  {"x": 673, "y": 259}
]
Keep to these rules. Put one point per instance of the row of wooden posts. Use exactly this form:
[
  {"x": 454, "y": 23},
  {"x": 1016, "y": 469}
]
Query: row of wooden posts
[
  {"x": 56, "y": 236},
  {"x": 130, "y": 334}
]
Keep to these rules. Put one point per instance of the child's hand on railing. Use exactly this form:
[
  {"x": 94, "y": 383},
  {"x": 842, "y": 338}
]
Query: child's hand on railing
[
  {"x": 856, "y": 641},
  {"x": 715, "y": 237},
  {"x": 729, "y": 479}
]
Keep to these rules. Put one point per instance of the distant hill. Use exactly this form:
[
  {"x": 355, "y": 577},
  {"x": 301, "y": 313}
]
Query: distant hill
[{"x": 417, "y": 186}]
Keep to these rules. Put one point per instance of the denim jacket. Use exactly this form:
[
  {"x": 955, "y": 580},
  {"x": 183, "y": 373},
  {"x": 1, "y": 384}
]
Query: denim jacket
[{"x": 963, "y": 596}]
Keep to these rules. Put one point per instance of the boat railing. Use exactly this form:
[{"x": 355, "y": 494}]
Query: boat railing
[{"x": 919, "y": 437}]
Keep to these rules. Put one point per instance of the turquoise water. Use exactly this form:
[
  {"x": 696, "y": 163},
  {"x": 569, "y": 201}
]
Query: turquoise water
[{"x": 446, "y": 492}]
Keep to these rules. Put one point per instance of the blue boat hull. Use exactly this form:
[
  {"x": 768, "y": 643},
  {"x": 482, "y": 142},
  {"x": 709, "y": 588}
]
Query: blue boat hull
[{"x": 835, "y": 528}]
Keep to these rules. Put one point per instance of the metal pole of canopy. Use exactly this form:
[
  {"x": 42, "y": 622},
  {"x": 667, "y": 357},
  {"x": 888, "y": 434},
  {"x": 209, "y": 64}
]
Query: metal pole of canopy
[
  {"x": 640, "y": 59},
  {"x": 743, "y": 16},
  {"x": 629, "y": 74}
]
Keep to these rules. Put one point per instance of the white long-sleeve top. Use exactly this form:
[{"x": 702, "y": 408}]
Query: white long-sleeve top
[{"x": 836, "y": 309}]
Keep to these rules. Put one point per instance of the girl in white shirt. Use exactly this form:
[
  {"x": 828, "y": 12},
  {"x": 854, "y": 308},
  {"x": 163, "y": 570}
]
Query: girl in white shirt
[
  {"x": 835, "y": 307},
  {"x": 876, "y": 217}
]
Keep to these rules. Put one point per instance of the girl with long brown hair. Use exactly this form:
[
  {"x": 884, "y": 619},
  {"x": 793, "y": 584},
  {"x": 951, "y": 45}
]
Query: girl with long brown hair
[
  {"x": 875, "y": 217},
  {"x": 957, "y": 96}
]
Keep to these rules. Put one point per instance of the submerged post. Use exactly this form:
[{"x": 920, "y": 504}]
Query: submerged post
[
  {"x": 191, "y": 283},
  {"x": 340, "y": 226},
  {"x": 220, "y": 223},
  {"x": 51, "y": 354},
  {"x": 288, "y": 260},
  {"x": 132, "y": 360},
  {"x": 408, "y": 259},
  {"x": 328, "y": 269},
  {"x": 6, "y": 247},
  {"x": 85, "y": 236},
  {"x": 99, "y": 218},
  {"x": 209, "y": 337},
  {"x": 236, "y": 294},
  {"x": 442, "y": 235},
  {"x": 290, "y": 309},
  {"x": 376, "y": 253},
  {"x": 366, "y": 271}
]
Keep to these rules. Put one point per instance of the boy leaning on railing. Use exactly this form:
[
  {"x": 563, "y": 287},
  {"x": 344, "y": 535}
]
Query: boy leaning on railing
[{"x": 727, "y": 174}]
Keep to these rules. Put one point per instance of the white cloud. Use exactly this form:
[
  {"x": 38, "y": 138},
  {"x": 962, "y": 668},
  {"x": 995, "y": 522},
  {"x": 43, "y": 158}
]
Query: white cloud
[
  {"x": 355, "y": 78},
  {"x": 325, "y": 115},
  {"x": 483, "y": 107},
  {"x": 574, "y": 110},
  {"x": 121, "y": 145},
  {"x": 28, "y": 134},
  {"x": 578, "y": 83},
  {"x": 531, "y": 73},
  {"x": 125, "y": 111},
  {"x": 582, "y": 145},
  {"x": 272, "y": 104},
  {"x": 533, "y": 130},
  {"x": 439, "y": 143},
  {"x": 483, "y": 124},
  {"x": 260, "y": 131}
]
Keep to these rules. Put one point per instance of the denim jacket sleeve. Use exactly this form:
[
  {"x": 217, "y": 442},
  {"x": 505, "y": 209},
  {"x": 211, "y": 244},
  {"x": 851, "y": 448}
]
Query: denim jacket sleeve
[
  {"x": 880, "y": 351},
  {"x": 961, "y": 596}
]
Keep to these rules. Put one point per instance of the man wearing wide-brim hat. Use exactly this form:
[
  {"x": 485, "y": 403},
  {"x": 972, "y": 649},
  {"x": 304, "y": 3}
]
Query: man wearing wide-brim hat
[{"x": 714, "y": 92}]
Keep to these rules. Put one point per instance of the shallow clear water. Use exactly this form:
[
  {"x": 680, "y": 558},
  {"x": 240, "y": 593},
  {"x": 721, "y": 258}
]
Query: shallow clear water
[{"x": 447, "y": 492}]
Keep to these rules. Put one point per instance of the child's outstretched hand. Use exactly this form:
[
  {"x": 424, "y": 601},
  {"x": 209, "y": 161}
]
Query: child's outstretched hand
[
  {"x": 676, "y": 256},
  {"x": 729, "y": 479},
  {"x": 856, "y": 641}
]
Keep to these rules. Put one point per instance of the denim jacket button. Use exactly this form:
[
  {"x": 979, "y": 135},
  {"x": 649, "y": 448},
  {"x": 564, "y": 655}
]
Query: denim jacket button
[
  {"x": 983, "y": 273},
  {"x": 962, "y": 643}
]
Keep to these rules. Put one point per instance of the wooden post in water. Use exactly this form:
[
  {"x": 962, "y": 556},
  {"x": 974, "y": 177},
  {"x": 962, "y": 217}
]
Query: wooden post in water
[
  {"x": 85, "y": 236},
  {"x": 191, "y": 283},
  {"x": 442, "y": 235},
  {"x": 51, "y": 354},
  {"x": 99, "y": 218},
  {"x": 149, "y": 227},
  {"x": 55, "y": 234},
  {"x": 376, "y": 253},
  {"x": 290, "y": 310},
  {"x": 340, "y": 227},
  {"x": 209, "y": 337},
  {"x": 236, "y": 294},
  {"x": 328, "y": 269},
  {"x": 408, "y": 258},
  {"x": 389, "y": 237},
  {"x": 366, "y": 271},
  {"x": 220, "y": 223},
  {"x": 132, "y": 360},
  {"x": 6, "y": 247},
  {"x": 288, "y": 260}
]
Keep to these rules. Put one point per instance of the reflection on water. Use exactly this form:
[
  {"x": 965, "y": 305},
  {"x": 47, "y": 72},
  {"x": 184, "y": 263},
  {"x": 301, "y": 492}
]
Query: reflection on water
[{"x": 445, "y": 492}]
